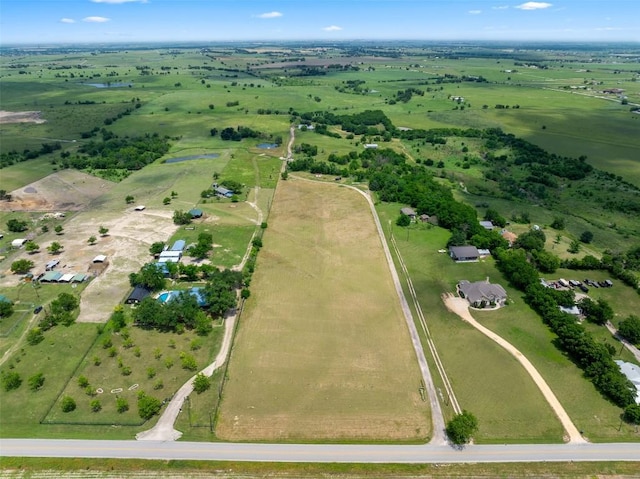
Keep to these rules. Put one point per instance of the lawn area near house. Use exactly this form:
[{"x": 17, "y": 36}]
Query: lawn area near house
[{"x": 322, "y": 352}]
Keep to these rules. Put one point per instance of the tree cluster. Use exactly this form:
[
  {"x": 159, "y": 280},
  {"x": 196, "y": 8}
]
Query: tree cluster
[
  {"x": 593, "y": 357},
  {"x": 60, "y": 311}
]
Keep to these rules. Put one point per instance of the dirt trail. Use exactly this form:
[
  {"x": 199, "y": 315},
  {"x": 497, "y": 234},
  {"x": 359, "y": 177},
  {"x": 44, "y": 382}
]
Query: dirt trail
[{"x": 460, "y": 306}]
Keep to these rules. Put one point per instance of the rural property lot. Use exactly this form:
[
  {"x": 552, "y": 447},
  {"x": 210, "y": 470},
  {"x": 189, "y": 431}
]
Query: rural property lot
[{"x": 326, "y": 355}]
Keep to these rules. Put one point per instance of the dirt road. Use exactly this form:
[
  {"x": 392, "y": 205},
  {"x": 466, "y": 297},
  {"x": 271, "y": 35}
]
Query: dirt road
[{"x": 460, "y": 306}]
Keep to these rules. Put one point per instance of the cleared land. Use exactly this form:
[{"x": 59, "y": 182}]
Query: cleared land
[{"x": 326, "y": 355}]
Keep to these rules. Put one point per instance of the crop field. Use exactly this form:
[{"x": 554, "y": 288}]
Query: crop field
[{"x": 322, "y": 351}]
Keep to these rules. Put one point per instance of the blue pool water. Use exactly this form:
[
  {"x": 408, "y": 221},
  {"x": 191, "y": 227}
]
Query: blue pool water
[{"x": 164, "y": 296}]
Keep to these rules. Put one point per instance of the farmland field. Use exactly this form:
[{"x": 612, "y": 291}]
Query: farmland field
[{"x": 322, "y": 351}]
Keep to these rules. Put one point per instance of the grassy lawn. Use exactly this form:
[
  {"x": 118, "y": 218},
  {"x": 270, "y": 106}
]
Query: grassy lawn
[
  {"x": 328, "y": 359},
  {"x": 486, "y": 379}
]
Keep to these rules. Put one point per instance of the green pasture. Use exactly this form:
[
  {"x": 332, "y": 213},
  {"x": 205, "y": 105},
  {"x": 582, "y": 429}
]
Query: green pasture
[
  {"x": 508, "y": 405},
  {"x": 161, "y": 352}
]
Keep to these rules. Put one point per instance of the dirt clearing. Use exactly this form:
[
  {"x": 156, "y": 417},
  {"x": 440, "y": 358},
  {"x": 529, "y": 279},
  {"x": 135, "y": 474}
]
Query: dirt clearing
[
  {"x": 66, "y": 190},
  {"x": 21, "y": 117}
]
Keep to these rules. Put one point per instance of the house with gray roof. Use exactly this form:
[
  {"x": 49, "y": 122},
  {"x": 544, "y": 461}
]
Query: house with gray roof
[
  {"x": 482, "y": 294},
  {"x": 632, "y": 372}
]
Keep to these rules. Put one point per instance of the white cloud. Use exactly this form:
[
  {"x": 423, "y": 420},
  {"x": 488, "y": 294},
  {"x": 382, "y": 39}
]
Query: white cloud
[
  {"x": 270, "y": 15},
  {"x": 118, "y": 1},
  {"x": 475, "y": 12},
  {"x": 332, "y": 28},
  {"x": 67, "y": 20},
  {"x": 608, "y": 29},
  {"x": 95, "y": 19},
  {"x": 501, "y": 7},
  {"x": 534, "y": 6}
]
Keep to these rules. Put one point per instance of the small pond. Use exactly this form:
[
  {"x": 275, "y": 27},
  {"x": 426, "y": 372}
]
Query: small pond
[
  {"x": 109, "y": 85},
  {"x": 208, "y": 156},
  {"x": 268, "y": 146}
]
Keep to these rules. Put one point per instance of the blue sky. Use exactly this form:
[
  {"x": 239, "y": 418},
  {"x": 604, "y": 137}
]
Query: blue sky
[{"x": 105, "y": 21}]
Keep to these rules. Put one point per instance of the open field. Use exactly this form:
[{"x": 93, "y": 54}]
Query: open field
[{"x": 322, "y": 351}]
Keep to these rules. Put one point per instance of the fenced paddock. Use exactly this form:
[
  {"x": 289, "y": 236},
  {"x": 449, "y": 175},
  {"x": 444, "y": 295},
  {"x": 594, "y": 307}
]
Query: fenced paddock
[{"x": 323, "y": 351}]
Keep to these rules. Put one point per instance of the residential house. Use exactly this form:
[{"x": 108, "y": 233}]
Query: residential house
[
  {"x": 482, "y": 293},
  {"x": 464, "y": 253}
]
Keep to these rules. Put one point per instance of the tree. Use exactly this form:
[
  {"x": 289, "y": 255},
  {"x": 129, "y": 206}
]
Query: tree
[
  {"x": 31, "y": 247},
  {"x": 95, "y": 405},
  {"x": 36, "y": 381},
  {"x": 495, "y": 217},
  {"x": 58, "y": 229},
  {"x": 16, "y": 226},
  {"x": 129, "y": 199},
  {"x": 148, "y": 406},
  {"x": 181, "y": 217},
  {"x": 403, "y": 220},
  {"x": 156, "y": 248},
  {"x": 201, "y": 383},
  {"x": 629, "y": 329},
  {"x": 122, "y": 405},
  {"x": 6, "y": 309},
  {"x": 64, "y": 302},
  {"x": 21, "y": 266},
  {"x": 166, "y": 201},
  {"x": 598, "y": 312},
  {"x": 103, "y": 231},
  {"x": 92, "y": 240},
  {"x": 531, "y": 240},
  {"x": 54, "y": 248},
  {"x": 68, "y": 404},
  {"x": 35, "y": 336},
  {"x": 11, "y": 380},
  {"x": 83, "y": 382},
  {"x": 149, "y": 276},
  {"x": 632, "y": 414},
  {"x": 558, "y": 223},
  {"x": 462, "y": 427},
  {"x": 284, "y": 175},
  {"x": 574, "y": 247},
  {"x": 586, "y": 237}
]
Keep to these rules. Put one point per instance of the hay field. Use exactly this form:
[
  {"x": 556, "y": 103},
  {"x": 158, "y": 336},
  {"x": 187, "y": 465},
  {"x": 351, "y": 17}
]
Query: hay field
[{"x": 322, "y": 352}]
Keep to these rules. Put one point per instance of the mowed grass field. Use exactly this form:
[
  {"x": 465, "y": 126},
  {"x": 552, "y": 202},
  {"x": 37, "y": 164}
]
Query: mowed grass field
[{"x": 323, "y": 352}]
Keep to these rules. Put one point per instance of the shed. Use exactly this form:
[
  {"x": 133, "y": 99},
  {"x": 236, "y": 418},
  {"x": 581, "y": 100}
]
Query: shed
[
  {"x": 177, "y": 246},
  {"x": 371, "y": 146},
  {"x": 100, "y": 258},
  {"x": 222, "y": 191},
  {"x": 464, "y": 253},
  {"x": 66, "y": 278},
  {"x": 51, "y": 277},
  {"x": 410, "y": 212},
  {"x": 18, "y": 242},
  {"x": 79, "y": 278},
  {"x": 137, "y": 295},
  {"x": 139, "y": 208},
  {"x": 196, "y": 213},
  {"x": 488, "y": 225},
  {"x": 52, "y": 264}
]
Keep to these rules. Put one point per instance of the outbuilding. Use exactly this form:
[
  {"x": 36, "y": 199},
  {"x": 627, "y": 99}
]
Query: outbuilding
[
  {"x": 139, "y": 208},
  {"x": 18, "y": 242},
  {"x": 410, "y": 212},
  {"x": 52, "y": 264},
  {"x": 464, "y": 253},
  {"x": 137, "y": 295},
  {"x": 99, "y": 259},
  {"x": 179, "y": 245},
  {"x": 196, "y": 213}
]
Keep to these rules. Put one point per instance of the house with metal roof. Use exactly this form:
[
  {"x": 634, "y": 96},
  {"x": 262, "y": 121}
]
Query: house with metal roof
[
  {"x": 196, "y": 213},
  {"x": 632, "y": 372},
  {"x": 179, "y": 245},
  {"x": 137, "y": 295},
  {"x": 51, "y": 277}
]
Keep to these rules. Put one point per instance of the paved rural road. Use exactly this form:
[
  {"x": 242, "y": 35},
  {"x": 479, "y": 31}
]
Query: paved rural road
[
  {"x": 460, "y": 306},
  {"x": 344, "y": 453}
]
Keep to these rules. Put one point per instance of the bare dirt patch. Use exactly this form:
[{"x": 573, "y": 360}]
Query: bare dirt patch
[
  {"x": 126, "y": 247},
  {"x": 66, "y": 190},
  {"x": 21, "y": 117}
]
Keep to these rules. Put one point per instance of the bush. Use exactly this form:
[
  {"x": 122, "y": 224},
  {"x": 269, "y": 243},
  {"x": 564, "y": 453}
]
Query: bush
[
  {"x": 96, "y": 406},
  {"x": 83, "y": 382},
  {"x": 632, "y": 414},
  {"x": 36, "y": 381},
  {"x": 148, "y": 406},
  {"x": 629, "y": 329},
  {"x": 35, "y": 336},
  {"x": 11, "y": 380},
  {"x": 462, "y": 427},
  {"x": 68, "y": 404},
  {"x": 122, "y": 405},
  {"x": 201, "y": 383},
  {"x": 188, "y": 362}
]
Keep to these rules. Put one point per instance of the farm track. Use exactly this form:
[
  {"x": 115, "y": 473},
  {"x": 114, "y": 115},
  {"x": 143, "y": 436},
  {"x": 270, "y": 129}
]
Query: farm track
[{"x": 423, "y": 323}]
